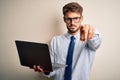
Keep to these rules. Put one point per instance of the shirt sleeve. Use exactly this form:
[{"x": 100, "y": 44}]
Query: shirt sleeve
[{"x": 95, "y": 42}]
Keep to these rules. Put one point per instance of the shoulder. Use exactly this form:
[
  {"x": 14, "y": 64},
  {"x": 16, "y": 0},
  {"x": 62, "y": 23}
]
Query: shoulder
[{"x": 58, "y": 37}]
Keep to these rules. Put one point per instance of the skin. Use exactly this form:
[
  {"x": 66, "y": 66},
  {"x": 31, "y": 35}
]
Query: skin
[{"x": 86, "y": 32}]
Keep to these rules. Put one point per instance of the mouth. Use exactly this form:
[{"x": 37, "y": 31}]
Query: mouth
[{"x": 72, "y": 27}]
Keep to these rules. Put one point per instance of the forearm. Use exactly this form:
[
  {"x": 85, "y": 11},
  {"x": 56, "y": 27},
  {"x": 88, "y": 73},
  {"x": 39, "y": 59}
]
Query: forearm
[{"x": 95, "y": 42}]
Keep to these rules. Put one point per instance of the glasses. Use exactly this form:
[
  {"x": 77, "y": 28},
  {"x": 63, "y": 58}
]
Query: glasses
[{"x": 69, "y": 20}]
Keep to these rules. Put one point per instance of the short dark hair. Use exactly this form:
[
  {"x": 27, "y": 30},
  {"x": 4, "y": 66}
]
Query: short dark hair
[{"x": 73, "y": 7}]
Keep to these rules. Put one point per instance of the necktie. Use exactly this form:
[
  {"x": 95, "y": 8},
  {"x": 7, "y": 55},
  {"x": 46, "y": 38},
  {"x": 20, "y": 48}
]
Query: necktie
[{"x": 68, "y": 70}]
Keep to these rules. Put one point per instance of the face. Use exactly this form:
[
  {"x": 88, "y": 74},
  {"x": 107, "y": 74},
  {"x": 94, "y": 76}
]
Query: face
[{"x": 73, "y": 22}]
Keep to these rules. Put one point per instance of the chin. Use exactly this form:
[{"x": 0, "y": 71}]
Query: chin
[{"x": 73, "y": 30}]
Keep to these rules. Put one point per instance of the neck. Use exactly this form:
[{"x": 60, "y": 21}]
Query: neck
[{"x": 74, "y": 33}]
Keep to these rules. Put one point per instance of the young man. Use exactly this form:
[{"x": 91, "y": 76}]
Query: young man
[{"x": 76, "y": 48}]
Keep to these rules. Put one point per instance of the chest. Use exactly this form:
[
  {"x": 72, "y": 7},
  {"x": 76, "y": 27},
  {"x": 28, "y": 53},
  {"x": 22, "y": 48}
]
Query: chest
[{"x": 61, "y": 50}]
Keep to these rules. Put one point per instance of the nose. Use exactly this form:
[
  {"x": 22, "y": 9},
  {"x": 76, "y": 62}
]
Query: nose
[{"x": 72, "y": 21}]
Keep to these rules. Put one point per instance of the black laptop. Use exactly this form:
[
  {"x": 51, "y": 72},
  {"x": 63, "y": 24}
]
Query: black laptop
[{"x": 32, "y": 53}]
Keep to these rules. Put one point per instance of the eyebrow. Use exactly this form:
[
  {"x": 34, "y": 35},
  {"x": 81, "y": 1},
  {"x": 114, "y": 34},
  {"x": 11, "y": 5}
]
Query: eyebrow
[{"x": 71, "y": 18}]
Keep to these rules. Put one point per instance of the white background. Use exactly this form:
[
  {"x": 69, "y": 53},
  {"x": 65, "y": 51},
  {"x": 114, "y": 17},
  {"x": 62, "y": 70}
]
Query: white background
[{"x": 40, "y": 20}]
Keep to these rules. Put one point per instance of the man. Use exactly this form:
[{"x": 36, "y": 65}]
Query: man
[{"x": 76, "y": 48}]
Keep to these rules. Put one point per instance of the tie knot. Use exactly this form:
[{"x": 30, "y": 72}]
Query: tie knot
[{"x": 72, "y": 38}]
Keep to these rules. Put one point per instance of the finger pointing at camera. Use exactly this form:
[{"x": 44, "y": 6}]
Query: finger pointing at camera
[{"x": 86, "y": 32}]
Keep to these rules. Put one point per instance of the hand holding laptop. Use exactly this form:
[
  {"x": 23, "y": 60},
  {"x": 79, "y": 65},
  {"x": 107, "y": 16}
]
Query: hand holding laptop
[{"x": 39, "y": 69}]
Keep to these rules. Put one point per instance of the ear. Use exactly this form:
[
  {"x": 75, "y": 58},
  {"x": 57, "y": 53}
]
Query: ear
[{"x": 64, "y": 18}]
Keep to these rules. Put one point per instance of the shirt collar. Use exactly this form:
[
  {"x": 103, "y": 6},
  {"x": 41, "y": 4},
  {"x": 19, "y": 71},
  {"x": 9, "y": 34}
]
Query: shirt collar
[{"x": 77, "y": 36}]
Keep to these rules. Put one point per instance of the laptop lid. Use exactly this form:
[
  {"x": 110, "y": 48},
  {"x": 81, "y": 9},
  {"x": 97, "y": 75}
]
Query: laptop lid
[{"x": 32, "y": 53}]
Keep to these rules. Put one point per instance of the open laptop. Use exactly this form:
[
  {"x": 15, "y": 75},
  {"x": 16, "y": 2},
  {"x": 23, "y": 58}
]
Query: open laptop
[{"x": 32, "y": 53}]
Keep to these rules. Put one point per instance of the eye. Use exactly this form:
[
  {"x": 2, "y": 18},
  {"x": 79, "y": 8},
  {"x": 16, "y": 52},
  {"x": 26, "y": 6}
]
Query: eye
[
  {"x": 76, "y": 18},
  {"x": 68, "y": 18}
]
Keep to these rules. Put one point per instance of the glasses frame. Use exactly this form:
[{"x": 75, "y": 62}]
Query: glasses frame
[{"x": 69, "y": 20}]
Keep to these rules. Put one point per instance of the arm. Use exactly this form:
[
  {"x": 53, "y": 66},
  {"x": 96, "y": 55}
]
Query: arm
[
  {"x": 91, "y": 35},
  {"x": 95, "y": 42}
]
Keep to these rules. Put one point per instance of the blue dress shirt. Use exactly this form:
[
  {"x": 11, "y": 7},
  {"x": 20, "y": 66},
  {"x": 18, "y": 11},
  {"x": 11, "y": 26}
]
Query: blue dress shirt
[{"x": 83, "y": 55}]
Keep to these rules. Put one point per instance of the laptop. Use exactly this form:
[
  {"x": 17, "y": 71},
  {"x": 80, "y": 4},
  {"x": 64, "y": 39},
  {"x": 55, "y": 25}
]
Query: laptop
[{"x": 33, "y": 53}]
